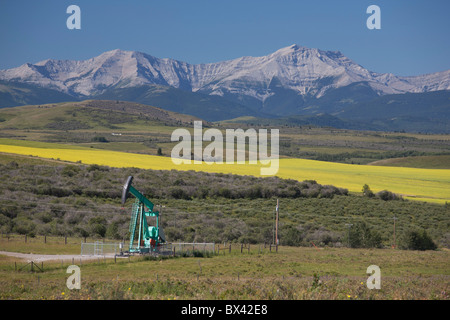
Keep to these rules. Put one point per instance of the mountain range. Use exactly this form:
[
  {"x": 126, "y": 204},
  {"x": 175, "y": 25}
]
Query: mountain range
[{"x": 292, "y": 81}]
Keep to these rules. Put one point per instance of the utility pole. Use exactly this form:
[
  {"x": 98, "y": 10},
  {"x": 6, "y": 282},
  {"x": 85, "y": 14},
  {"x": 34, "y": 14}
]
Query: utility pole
[
  {"x": 276, "y": 231},
  {"x": 348, "y": 226},
  {"x": 395, "y": 242},
  {"x": 160, "y": 211},
  {"x": 273, "y": 227},
  {"x": 276, "y": 225}
]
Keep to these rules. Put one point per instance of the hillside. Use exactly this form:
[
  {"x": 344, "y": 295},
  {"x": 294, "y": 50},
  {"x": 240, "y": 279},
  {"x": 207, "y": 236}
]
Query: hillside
[
  {"x": 291, "y": 81},
  {"x": 208, "y": 107},
  {"x": 18, "y": 94},
  {"x": 132, "y": 127},
  {"x": 411, "y": 112},
  {"x": 88, "y": 114},
  {"x": 431, "y": 162},
  {"x": 116, "y": 125},
  {"x": 55, "y": 198}
]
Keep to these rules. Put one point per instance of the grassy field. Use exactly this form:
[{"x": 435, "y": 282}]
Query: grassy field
[
  {"x": 413, "y": 183},
  {"x": 437, "y": 162},
  {"x": 289, "y": 274},
  {"x": 131, "y": 127},
  {"x": 48, "y": 149}
]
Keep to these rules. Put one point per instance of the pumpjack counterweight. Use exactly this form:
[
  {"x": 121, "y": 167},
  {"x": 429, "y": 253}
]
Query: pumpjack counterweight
[{"x": 148, "y": 237}]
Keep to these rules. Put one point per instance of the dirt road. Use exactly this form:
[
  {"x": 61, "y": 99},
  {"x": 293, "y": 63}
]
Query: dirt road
[{"x": 55, "y": 257}]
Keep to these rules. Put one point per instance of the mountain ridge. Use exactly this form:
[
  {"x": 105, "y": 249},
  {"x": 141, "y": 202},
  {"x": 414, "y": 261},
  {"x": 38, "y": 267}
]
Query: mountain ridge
[
  {"x": 297, "y": 67},
  {"x": 293, "y": 80}
]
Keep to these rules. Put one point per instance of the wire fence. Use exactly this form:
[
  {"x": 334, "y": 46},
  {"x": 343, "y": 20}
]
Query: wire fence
[
  {"x": 55, "y": 240},
  {"x": 109, "y": 247},
  {"x": 101, "y": 249},
  {"x": 182, "y": 248},
  {"x": 190, "y": 248}
]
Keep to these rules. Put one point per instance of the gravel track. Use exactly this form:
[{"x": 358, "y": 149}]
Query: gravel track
[{"x": 56, "y": 257}]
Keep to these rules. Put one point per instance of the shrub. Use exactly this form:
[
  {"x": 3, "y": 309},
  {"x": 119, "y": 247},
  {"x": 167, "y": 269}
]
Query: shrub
[
  {"x": 417, "y": 240},
  {"x": 179, "y": 193},
  {"x": 388, "y": 195},
  {"x": 96, "y": 167},
  {"x": 112, "y": 232},
  {"x": 361, "y": 236},
  {"x": 70, "y": 171},
  {"x": 225, "y": 193},
  {"x": 98, "y": 229},
  {"x": 45, "y": 217},
  {"x": 53, "y": 191},
  {"x": 292, "y": 237},
  {"x": 99, "y": 139},
  {"x": 367, "y": 192},
  {"x": 98, "y": 226},
  {"x": 23, "y": 226}
]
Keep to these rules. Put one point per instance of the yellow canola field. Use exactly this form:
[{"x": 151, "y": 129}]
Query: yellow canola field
[{"x": 432, "y": 185}]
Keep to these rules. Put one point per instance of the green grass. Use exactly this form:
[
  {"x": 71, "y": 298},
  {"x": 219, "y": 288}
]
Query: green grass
[
  {"x": 430, "y": 162},
  {"x": 37, "y": 144},
  {"x": 287, "y": 275},
  {"x": 45, "y": 244}
]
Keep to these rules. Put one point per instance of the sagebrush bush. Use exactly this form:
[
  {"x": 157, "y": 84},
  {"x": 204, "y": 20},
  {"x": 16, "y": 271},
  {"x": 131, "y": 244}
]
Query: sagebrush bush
[{"x": 417, "y": 240}]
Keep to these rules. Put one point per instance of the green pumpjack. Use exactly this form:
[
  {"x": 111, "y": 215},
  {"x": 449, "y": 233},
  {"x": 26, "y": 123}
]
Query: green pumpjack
[{"x": 149, "y": 238}]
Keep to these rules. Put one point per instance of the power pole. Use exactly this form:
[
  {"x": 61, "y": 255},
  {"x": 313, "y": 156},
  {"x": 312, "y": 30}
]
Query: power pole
[
  {"x": 275, "y": 240},
  {"x": 348, "y": 239},
  {"x": 273, "y": 227},
  {"x": 160, "y": 212},
  {"x": 276, "y": 229},
  {"x": 395, "y": 242}
]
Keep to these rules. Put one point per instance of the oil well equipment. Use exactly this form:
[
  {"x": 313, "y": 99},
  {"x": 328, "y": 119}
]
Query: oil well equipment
[{"x": 149, "y": 237}]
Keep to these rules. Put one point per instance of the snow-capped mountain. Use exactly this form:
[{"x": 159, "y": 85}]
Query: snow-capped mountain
[
  {"x": 292, "y": 80},
  {"x": 306, "y": 71}
]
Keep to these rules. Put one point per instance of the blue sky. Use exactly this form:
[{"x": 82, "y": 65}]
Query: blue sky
[{"x": 414, "y": 35}]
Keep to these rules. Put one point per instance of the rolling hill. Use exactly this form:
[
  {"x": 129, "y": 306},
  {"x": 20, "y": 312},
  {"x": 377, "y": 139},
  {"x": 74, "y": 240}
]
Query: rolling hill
[{"x": 431, "y": 185}]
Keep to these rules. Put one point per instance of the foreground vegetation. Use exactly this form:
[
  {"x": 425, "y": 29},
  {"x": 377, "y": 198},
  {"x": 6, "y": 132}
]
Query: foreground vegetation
[{"x": 292, "y": 273}]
